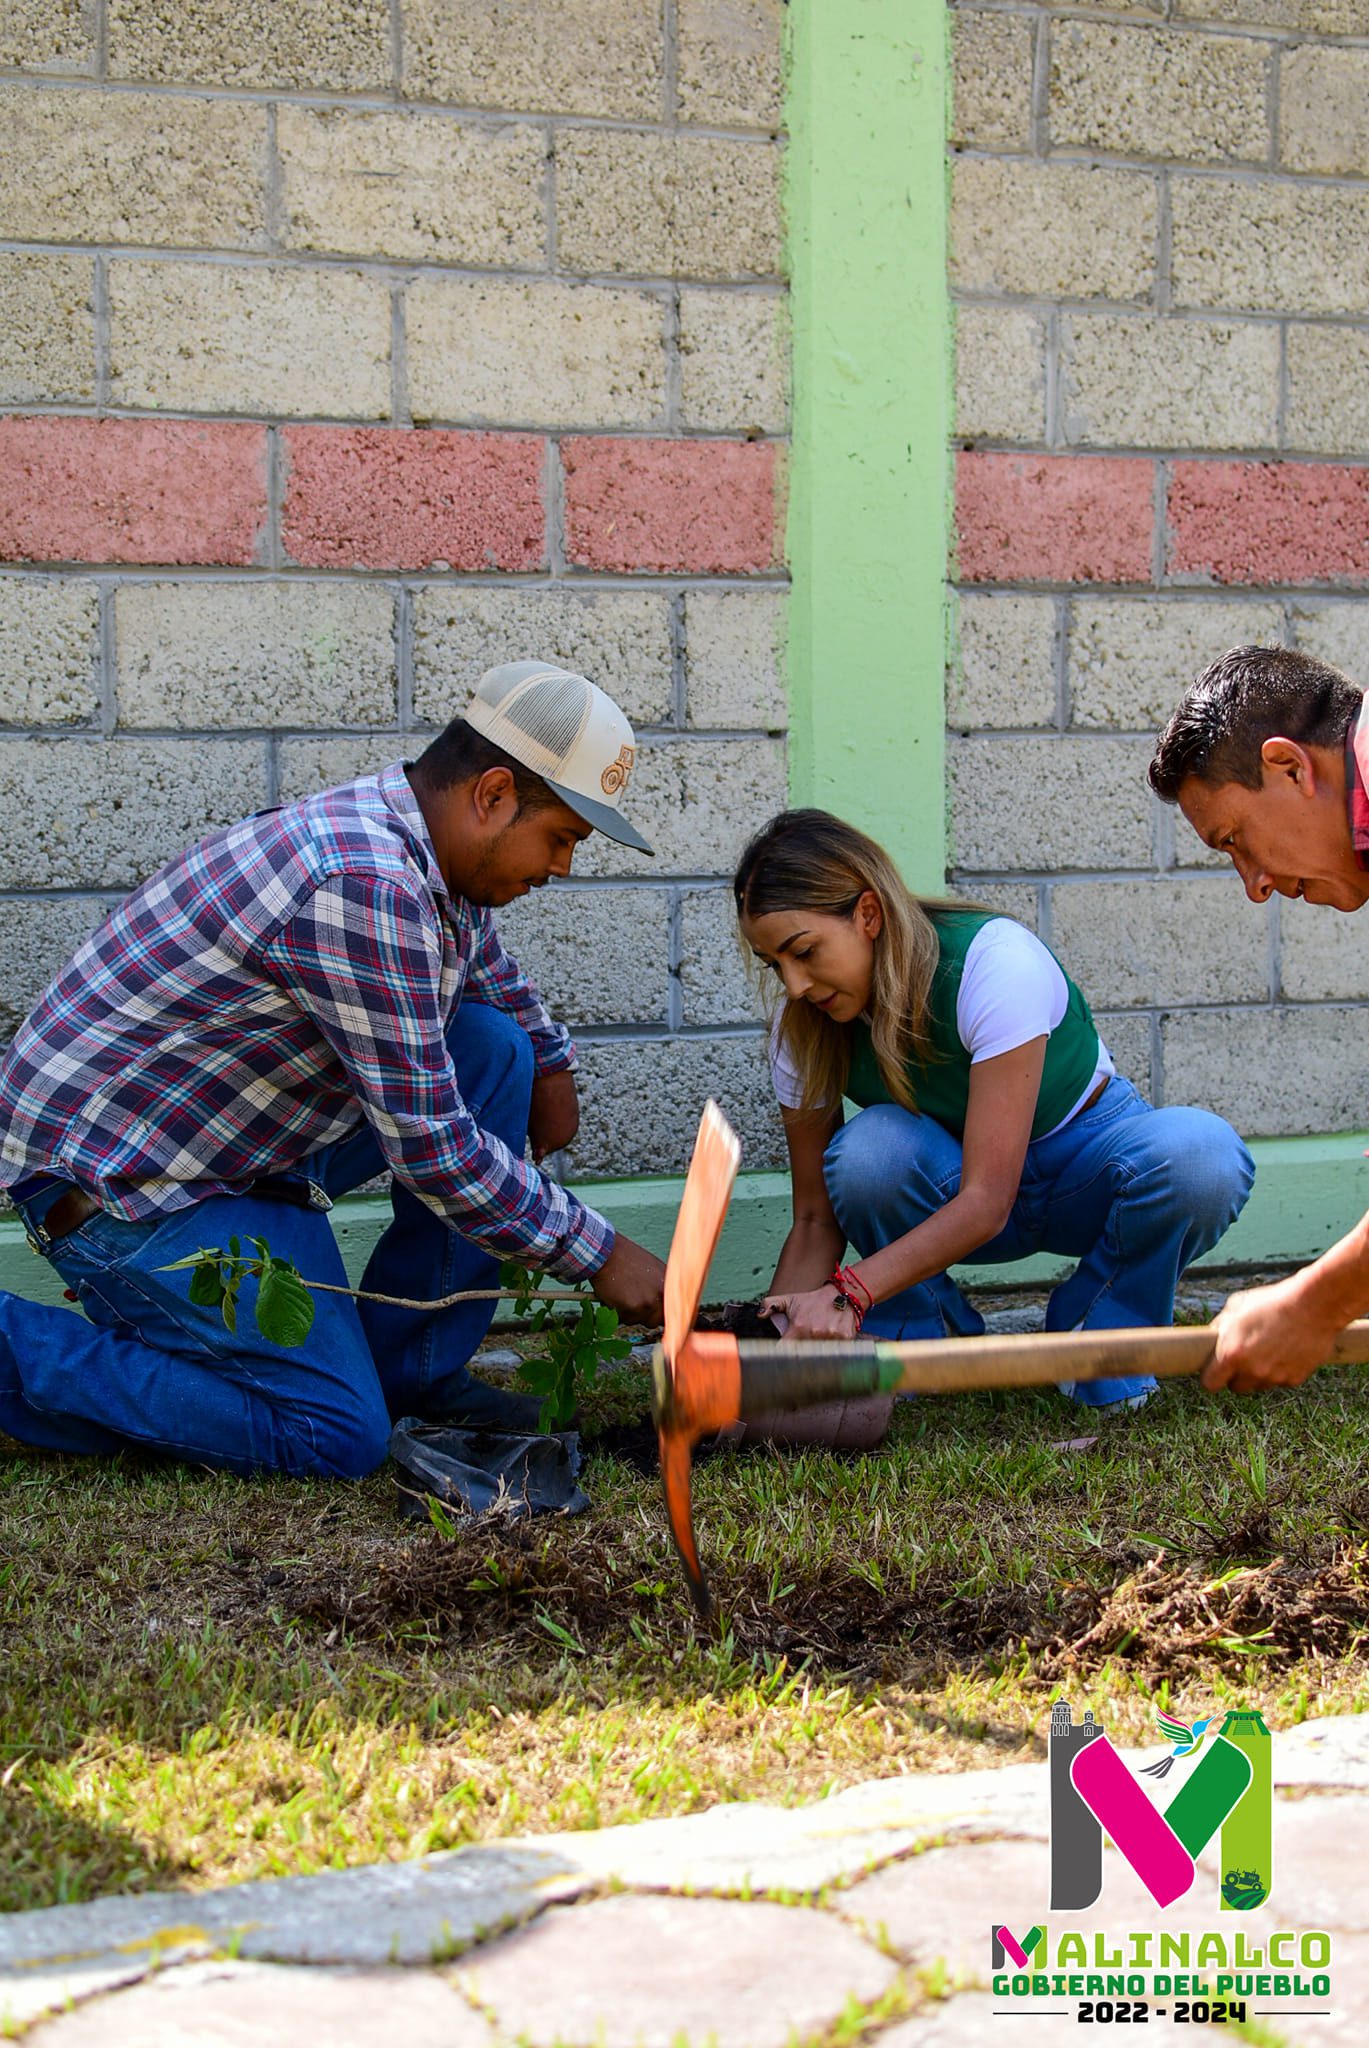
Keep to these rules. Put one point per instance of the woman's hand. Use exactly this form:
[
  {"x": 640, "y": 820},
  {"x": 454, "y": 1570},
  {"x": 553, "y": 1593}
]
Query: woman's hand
[
  {"x": 820, "y": 1313},
  {"x": 1270, "y": 1337}
]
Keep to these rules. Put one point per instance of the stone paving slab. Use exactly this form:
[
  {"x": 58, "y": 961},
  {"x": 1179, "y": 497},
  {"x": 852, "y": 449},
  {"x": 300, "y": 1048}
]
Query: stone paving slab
[
  {"x": 380, "y": 1913},
  {"x": 53, "y": 1987},
  {"x": 642, "y": 1972},
  {"x": 272, "y": 2005}
]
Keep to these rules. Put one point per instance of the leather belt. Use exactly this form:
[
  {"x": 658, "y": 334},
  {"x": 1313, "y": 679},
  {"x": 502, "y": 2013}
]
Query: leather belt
[{"x": 68, "y": 1213}]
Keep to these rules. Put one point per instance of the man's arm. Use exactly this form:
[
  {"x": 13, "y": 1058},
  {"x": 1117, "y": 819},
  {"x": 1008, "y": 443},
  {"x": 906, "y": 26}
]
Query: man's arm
[
  {"x": 1276, "y": 1336},
  {"x": 363, "y": 958}
]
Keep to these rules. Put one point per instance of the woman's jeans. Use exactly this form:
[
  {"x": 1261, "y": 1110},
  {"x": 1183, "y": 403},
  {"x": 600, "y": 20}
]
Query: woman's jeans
[
  {"x": 148, "y": 1368},
  {"x": 1134, "y": 1193}
]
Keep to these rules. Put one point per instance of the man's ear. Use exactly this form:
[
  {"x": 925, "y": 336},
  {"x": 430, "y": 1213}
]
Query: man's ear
[
  {"x": 869, "y": 915},
  {"x": 494, "y": 798},
  {"x": 1286, "y": 759}
]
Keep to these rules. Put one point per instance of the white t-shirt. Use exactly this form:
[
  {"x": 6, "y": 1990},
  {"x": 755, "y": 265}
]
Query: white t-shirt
[{"x": 1011, "y": 991}]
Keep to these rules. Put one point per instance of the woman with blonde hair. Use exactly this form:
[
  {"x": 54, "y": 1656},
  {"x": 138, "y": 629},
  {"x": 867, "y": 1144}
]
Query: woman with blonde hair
[{"x": 990, "y": 1117}]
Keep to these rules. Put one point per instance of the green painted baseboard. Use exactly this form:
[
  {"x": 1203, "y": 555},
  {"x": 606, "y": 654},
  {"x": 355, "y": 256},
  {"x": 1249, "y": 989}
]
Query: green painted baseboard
[{"x": 1308, "y": 1192}]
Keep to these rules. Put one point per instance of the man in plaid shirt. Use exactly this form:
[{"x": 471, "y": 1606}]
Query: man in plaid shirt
[
  {"x": 295, "y": 1004},
  {"x": 1267, "y": 756}
]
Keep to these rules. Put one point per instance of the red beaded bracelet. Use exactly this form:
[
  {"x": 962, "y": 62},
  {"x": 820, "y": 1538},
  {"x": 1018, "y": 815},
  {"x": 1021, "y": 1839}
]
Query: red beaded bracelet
[{"x": 843, "y": 1280}]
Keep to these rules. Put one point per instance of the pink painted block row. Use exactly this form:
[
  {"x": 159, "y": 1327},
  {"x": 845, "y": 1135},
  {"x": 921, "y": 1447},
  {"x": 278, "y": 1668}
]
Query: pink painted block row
[
  {"x": 86, "y": 490},
  {"x": 1090, "y": 519},
  {"x": 701, "y": 507}
]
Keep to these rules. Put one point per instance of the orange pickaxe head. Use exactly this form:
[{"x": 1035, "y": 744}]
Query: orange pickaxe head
[{"x": 698, "y": 1379}]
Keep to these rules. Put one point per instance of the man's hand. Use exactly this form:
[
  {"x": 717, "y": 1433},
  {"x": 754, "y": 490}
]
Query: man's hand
[
  {"x": 554, "y": 1117},
  {"x": 632, "y": 1280},
  {"x": 1270, "y": 1337},
  {"x": 816, "y": 1314}
]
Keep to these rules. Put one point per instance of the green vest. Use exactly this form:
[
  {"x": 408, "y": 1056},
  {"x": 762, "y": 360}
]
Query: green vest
[{"x": 941, "y": 1084}]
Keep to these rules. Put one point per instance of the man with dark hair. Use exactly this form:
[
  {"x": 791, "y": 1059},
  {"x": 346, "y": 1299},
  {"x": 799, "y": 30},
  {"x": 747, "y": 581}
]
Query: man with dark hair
[
  {"x": 293, "y": 1005},
  {"x": 1267, "y": 756}
]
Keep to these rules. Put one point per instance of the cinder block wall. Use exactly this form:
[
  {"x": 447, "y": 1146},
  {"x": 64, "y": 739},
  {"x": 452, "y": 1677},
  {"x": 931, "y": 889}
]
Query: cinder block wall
[
  {"x": 346, "y": 347},
  {"x": 1160, "y": 227}
]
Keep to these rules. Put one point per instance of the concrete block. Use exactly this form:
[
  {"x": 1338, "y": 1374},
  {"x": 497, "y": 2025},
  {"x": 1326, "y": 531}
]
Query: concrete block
[
  {"x": 727, "y": 62},
  {"x": 409, "y": 498},
  {"x": 255, "y": 654},
  {"x": 103, "y": 814},
  {"x": 1005, "y": 673},
  {"x": 88, "y": 490},
  {"x": 1314, "y": 17},
  {"x": 698, "y": 802},
  {"x": 338, "y": 48},
  {"x": 1048, "y": 804},
  {"x": 1239, "y": 1062},
  {"x": 491, "y": 352},
  {"x": 306, "y": 766},
  {"x": 49, "y": 35},
  {"x": 1127, "y": 1038},
  {"x": 584, "y": 57},
  {"x": 1000, "y": 374},
  {"x": 1328, "y": 389},
  {"x": 734, "y": 361},
  {"x": 198, "y": 337},
  {"x": 1275, "y": 522},
  {"x": 1131, "y": 658},
  {"x": 131, "y": 167},
  {"x": 1053, "y": 518},
  {"x": 1148, "y": 91},
  {"x": 1336, "y": 631},
  {"x": 599, "y": 955},
  {"x": 640, "y": 1101},
  {"x": 47, "y": 328},
  {"x": 1269, "y": 246},
  {"x": 1324, "y": 109},
  {"x": 1053, "y": 230},
  {"x": 38, "y": 935},
  {"x": 717, "y": 982},
  {"x": 1010, "y": 899},
  {"x": 1164, "y": 383},
  {"x": 667, "y": 206},
  {"x": 734, "y": 659},
  {"x": 1198, "y": 939},
  {"x": 419, "y": 187},
  {"x": 1322, "y": 955},
  {"x": 620, "y": 639},
  {"x": 992, "y": 80},
  {"x": 49, "y": 651},
  {"x": 704, "y": 508}
]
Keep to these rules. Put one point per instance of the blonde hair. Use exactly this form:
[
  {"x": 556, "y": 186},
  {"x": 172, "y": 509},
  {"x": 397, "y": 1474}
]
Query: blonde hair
[{"x": 809, "y": 860}]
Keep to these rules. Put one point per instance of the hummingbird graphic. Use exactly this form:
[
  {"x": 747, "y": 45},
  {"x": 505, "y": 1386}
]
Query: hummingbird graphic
[{"x": 1187, "y": 1742}]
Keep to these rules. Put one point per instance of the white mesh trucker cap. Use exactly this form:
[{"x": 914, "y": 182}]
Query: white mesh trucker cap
[{"x": 566, "y": 730}]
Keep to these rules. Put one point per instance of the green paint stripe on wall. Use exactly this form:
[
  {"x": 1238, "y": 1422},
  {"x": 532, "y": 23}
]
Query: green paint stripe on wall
[
  {"x": 869, "y": 506},
  {"x": 1308, "y": 1192}
]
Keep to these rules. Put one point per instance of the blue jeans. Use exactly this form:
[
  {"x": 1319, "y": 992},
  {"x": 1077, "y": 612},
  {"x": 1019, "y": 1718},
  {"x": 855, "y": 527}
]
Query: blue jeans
[
  {"x": 1134, "y": 1193},
  {"x": 150, "y": 1369}
]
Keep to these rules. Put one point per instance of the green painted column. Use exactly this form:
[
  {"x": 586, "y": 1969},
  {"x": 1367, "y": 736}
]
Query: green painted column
[{"x": 869, "y": 501}]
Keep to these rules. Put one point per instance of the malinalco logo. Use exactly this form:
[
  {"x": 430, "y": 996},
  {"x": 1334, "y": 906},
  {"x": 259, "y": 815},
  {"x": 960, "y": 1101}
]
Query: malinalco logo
[{"x": 1228, "y": 1787}]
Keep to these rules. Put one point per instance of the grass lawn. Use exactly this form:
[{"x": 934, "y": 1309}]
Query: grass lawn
[{"x": 205, "y": 1679}]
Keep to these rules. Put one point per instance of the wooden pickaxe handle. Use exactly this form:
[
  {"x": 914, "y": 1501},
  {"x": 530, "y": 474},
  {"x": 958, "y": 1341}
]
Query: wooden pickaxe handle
[{"x": 714, "y": 1380}]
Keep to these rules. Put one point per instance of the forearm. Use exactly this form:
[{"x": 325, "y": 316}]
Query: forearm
[
  {"x": 811, "y": 1250},
  {"x": 966, "y": 1222},
  {"x": 1335, "y": 1287}
]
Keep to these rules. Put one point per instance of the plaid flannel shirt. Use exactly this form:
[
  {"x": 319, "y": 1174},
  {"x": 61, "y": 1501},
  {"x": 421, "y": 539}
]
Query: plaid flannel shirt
[
  {"x": 1357, "y": 784},
  {"x": 253, "y": 1000}
]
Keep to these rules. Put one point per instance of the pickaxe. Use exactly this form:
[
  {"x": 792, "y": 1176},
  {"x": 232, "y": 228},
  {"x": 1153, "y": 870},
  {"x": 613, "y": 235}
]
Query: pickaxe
[{"x": 704, "y": 1382}]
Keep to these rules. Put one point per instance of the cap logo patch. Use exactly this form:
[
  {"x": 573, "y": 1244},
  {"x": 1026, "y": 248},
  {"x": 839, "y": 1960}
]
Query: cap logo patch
[{"x": 617, "y": 772}]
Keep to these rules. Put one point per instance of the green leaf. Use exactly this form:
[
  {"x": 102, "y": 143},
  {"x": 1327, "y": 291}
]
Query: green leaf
[
  {"x": 440, "y": 1519},
  {"x": 285, "y": 1307},
  {"x": 199, "y": 1258},
  {"x": 228, "y": 1309},
  {"x": 206, "y": 1285},
  {"x": 605, "y": 1320},
  {"x": 235, "y": 1247},
  {"x": 538, "y": 1374}
]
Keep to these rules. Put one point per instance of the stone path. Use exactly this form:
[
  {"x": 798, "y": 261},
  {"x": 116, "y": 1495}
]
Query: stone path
[{"x": 866, "y": 1915}]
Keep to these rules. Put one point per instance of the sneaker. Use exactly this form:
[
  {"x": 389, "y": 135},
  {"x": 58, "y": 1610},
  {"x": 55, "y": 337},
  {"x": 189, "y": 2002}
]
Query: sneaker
[
  {"x": 477, "y": 1405},
  {"x": 1070, "y": 1390}
]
